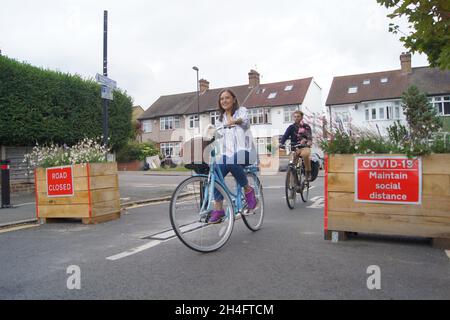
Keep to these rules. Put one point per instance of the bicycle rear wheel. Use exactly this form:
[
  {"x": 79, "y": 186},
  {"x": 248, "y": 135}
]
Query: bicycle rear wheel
[
  {"x": 290, "y": 187},
  {"x": 304, "y": 187},
  {"x": 190, "y": 222},
  {"x": 253, "y": 219}
]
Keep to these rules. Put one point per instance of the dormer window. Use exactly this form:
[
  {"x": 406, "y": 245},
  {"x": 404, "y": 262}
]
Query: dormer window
[
  {"x": 272, "y": 95},
  {"x": 384, "y": 80},
  {"x": 288, "y": 88},
  {"x": 352, "y": 89},
  {"x": 366, "y": 82}
]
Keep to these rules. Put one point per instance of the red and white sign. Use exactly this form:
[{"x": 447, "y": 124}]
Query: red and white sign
[
  {"x": 60, "y": 181},
  {"x": 388, "y": 179}
]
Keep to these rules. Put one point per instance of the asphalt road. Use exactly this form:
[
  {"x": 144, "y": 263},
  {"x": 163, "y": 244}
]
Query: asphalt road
[{"x": 287, "y": 259}]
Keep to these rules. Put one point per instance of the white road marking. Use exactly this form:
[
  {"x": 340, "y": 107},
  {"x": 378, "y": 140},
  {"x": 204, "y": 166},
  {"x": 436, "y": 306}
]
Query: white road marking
[
  {"x": 132, "y": 251},
  {"x": 318, "y": 202},
  {"x": 448, "y": 253},
  {"x": 18, "y": 228},
  {"x": 23, "y": 204}
]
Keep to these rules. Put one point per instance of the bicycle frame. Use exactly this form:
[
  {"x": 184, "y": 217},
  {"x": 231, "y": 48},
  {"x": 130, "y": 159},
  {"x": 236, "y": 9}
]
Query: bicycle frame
[{"x": 215, "y": 175}]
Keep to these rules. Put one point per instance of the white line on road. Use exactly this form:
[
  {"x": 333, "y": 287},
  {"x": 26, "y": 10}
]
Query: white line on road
[
  {"x": 132, "y": 251},
  {"x": 448, "y": 253}
]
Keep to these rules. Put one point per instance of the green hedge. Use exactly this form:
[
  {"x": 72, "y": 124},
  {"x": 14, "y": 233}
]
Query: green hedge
[{"x": 43, "y": 106}]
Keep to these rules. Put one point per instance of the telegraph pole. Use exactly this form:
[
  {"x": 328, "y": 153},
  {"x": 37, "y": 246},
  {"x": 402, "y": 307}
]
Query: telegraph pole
[{"x": 105, "y": 73}]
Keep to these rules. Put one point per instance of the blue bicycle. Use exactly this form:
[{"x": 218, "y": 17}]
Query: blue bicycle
[{"x": 193, "y": 201}]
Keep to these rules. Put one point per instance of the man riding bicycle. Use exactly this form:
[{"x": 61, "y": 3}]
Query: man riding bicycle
[{"x": 300, "y": 133}]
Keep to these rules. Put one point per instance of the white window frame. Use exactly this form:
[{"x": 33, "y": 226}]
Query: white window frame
[
  {"x": 174, "y": 149},
  {"x": 214, "y": 117},
  {"x": 288, "y": 112},
  {"x": 194, "y": 121},
  {"x": 366, "y": 82},
  {"x": 353, "y": 89},
  {"x": 147, "y": 126},
  {"x": 384, "y": 80},
  {"x": 289, "y": 87},
  {"x": 439, "y": 103},
  {"x": 261, "y": 115},
  {"x": 367, "y": 114},
  {"x": 262, "y": 143},
  {"x": 272, "y": 95},
  {"x": 173, "y": 122}
]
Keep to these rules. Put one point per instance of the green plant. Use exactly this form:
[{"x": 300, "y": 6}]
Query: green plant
[
  {"x": 136, "y": 151},
  {"x": 429, "y": 25},
  {"x": 85, "y": 151},
  {"x": 422, "y": 118}
]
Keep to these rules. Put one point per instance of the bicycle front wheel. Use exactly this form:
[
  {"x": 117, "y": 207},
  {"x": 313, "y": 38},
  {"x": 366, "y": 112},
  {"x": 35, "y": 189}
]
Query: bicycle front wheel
[
  {"x": 190, "y": 209},
  {"x": 253, "y": 219},
  {"x": 290, "y": 187}
]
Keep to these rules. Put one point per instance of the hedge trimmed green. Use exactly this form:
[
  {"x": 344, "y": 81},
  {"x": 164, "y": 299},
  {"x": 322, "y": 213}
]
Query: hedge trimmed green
[{"x": 43, "y": 106}]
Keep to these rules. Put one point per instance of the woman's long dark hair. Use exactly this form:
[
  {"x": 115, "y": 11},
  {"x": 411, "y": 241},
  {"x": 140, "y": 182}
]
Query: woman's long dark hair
[{"x": 235, "y": 104}]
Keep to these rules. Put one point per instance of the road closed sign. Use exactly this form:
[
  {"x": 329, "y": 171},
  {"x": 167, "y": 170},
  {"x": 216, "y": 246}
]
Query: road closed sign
[
  {"x": 388, "y": 179},
  {"x": 60, "y": 181}
]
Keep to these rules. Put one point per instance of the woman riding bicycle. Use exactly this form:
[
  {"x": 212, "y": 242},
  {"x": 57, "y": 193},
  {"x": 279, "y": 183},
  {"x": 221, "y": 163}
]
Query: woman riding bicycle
[
  {"x": 237, "y": 152},
  {"x": 300, "y": 133}
]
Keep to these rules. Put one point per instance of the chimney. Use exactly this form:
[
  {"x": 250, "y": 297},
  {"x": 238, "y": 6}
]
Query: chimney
[
  {"x": 405, "y": 61},
  {"x": 204, "y": 85},
  {"x": 253, "y": 78}
]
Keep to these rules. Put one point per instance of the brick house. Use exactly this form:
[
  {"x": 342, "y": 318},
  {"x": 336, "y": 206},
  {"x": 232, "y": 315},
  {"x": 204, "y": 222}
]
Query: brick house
[{"x": 172, "y": 119}]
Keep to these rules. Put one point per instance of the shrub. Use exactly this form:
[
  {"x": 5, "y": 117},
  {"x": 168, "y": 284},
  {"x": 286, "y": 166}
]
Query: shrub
[
  {"x": 136, "y": 151},
  {"x": 45, "y": 107}
]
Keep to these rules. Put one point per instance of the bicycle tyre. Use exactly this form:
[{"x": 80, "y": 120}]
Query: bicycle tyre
[
  {"x": 254, "y": 220},
  {"x": 304, "y": 188},
  {"x": 189, "y": 238},
  {"x": 290, "y": 191}
]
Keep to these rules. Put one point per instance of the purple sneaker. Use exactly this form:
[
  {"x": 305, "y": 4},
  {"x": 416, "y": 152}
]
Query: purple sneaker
[
  {"x": 216, "y": 216},
  {"x": 251, "y": 199}
]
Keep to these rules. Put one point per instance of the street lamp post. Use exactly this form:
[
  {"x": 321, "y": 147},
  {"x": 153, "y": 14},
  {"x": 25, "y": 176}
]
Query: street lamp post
[{"x": 198, "y": 99}]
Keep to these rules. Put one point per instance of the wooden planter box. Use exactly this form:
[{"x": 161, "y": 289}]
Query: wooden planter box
[
  {"x": 95, "y": 196},
  {"x": 430, "y": 219}
]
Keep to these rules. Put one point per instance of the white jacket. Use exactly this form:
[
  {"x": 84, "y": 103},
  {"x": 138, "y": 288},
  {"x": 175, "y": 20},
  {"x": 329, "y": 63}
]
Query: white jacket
[{"x": 237, "y": 138}]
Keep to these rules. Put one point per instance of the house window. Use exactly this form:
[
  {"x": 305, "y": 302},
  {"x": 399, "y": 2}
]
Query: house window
[
  {"x": 397, "y": 112},
  {"x": 264, "y": 145},
  {"x": 366, "y": 82},
  {"x": 272, "y": 95},
  {"x": 352, "y": 89},
  {"x": 367, "y": 114},
  {"x": 374, "y": 114},
  {"x": 442, "y": 105},
  {"x": 384, "y": 80},
  {"x": 288, "y": 113},
  {"x": 170, "y": 149},
  {"x": 288, "y": 88},
  {"x": 193, "y": 121},
  {"x": 214, "y": 117},
  {"x": 169, "y": 123},
  {"x": 381, "y": 113},
  {"x": 147, "y": 126},
  {"x": 259, "y": 116},
  {"x": 389, "y": 112}
]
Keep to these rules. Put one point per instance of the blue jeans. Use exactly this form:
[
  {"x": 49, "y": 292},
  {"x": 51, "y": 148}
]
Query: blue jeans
[{"x": 237, "y": 170}]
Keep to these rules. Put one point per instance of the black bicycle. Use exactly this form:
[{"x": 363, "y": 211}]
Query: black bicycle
[{"x": 296, "y": 181}]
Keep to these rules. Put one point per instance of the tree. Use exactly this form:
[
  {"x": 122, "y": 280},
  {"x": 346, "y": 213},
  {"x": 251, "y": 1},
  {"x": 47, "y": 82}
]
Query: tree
[
  {"x": 422, "y": 118},
  {"x": 430, "y": 24}
]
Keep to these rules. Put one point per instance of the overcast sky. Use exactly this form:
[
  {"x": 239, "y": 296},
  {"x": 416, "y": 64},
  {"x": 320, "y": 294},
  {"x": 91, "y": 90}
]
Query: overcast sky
[{"x": 153, "y": 45}]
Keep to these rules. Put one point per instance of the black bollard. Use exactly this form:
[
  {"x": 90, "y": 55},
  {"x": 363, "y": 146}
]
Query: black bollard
[{"x": 6, "y": 190}]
